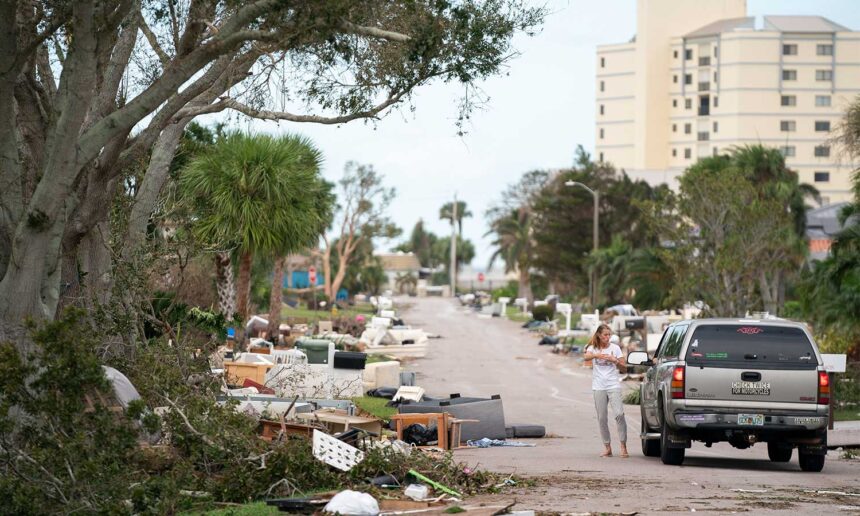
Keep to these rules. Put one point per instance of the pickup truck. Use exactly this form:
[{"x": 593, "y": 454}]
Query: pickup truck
[{"x": 744, "y": 381}]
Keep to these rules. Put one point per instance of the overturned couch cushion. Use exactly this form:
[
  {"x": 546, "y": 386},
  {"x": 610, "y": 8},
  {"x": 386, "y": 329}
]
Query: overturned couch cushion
[{"x": 489, "y": 413}]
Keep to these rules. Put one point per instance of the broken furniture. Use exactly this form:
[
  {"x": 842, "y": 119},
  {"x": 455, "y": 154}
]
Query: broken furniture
[
  {"x": 381, "y": 374},
  {"x": 437, "y": 419},
  {"x": 247, "y": 365},
  {"x": 455, "y": 434},
  {"x": 339, "y": 421},
  {"x": 489, "y": 412},
  {"x": 271, "y": 430}
]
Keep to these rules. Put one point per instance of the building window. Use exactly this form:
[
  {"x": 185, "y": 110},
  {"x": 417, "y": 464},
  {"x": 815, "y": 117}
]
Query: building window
[
  {"x": 788, "y": 151},
  {"x": 601, "y": 133},
  {"x": 822, "y": 126},
  {"x": 688, "y": 54},
  {"x": 601, "y": 157},
  {"x": 674, "y": 128},
  {"x": 716, "y": 51},
  {"x": 688, "y": 103},
  {"x": 716, "y": 152},
  {"x": 824, "y": 50},
  {"x": 822, "y": 100},
  {"x": 789, "y": 50},
  {"x": 675, "y": 79},
  {"x": 788, "y": 126},
  {"x": 703, "y": 136},
  {"x": 688, "y": 154},
  {"x": 788, "y": 100},
  {"x": 716, "y": 127},
  {"x": 602, "y": 86},
  {"x": 688, "y": 128},
  {"x": 716, "y": 102},
  {"x": 716, "y": 77},
  {"x": 822, "y": 177},
  {"x": 688, "y": 78},
  {"x": 674, "y": 102},
  {"x": 601, "y": 109},
  {"x": 603, "y": 62},
  {"x": 822, "y": 151},
  {"x": 789, "y": 75},
  {"x": 823, "y": 75},
  {"x": 674, "y": 153},
  {"x": 675, "y": 54}
]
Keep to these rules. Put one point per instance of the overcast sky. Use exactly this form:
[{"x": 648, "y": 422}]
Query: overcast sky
[{"x": 538, "y": 112}]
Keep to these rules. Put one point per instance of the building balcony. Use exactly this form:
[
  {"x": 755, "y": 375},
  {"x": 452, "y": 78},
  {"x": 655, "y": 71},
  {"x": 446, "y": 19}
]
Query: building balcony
[
  {"x": 704, "y": 86},
  {"x": 704, "y": 110},
  {"x": 705, "y": 61}
]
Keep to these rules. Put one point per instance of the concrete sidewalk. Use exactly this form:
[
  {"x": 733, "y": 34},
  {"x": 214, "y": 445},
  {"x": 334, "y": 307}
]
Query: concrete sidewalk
[{"x": 844, "y": 433}]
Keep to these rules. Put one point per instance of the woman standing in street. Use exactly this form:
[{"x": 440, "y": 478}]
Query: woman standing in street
[{"x": 606, "y": 386}]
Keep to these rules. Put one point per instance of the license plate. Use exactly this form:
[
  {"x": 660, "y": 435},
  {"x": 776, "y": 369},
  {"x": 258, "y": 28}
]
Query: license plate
[{"x": 751, "y": 419}]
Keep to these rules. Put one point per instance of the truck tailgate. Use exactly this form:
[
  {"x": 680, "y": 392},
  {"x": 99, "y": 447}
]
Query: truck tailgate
[{"x": 766, "y": 385}]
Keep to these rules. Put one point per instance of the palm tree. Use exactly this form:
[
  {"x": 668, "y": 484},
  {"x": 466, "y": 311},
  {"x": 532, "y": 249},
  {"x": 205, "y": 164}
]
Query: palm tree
[
  {"x": 259, "y": 194},
  {"x": 514, "y": 243},
  {"x": 406, "y": 283},
  {"x": 446, "y": 212}
]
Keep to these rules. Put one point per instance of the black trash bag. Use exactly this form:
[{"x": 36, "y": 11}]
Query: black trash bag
[
  {"x": 420, "y": 435},
  {"x": 548, "y": 340},
  {"x": 383, "y": 392}
]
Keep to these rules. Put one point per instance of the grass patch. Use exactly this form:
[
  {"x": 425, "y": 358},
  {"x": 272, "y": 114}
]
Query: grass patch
[
  {"x": 519, "y": 317},
  {"x": 250, "y": 509},
  {"x": 365, "y": 309},
  {"x": 846, "y": 414},
  {"x": 376, "y": 357},
  {"x": 375, "y": 407}
]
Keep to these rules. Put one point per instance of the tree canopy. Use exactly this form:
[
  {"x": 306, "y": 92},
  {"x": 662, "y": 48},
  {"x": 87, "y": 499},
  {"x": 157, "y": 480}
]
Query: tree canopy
[{"x": 90, "y": 90}]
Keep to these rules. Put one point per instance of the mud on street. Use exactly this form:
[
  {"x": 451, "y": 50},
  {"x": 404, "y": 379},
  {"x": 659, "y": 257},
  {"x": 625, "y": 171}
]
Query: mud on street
[{"x": 563, "y": 472}]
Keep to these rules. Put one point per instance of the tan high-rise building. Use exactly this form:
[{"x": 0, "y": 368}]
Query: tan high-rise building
[{"x": 700, "y": 77}]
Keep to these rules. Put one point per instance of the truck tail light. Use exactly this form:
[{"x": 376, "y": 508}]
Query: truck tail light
[
  {"x": 678, "y": 382},
  {"x": 823, "y": 388}
]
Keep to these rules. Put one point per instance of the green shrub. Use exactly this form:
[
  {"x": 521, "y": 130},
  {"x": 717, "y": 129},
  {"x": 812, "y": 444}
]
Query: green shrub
[
  {"x": 543, "y": 313},
  {"x": 632, "y": 398}
]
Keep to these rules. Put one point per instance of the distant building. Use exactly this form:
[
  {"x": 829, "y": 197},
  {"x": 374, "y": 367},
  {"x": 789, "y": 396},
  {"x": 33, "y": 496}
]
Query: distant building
[
  {"x": 822, "y": 225},
  {"x": 700, "y": 77},
  {"x": 399, "y": 265}
]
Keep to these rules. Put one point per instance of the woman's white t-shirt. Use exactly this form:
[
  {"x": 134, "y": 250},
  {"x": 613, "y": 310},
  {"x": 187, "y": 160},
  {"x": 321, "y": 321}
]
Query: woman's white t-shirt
[{"x": 604, "y": 374}]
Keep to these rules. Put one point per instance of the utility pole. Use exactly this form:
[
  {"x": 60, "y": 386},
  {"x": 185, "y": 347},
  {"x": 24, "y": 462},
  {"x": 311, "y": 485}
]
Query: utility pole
[{"x": 453, "y": 267}]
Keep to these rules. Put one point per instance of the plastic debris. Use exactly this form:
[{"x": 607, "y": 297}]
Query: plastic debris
[
  {"x": 436, "y": 485},
  {"x": 417, "y": 492},
  {"x": 353, "y": 503},
  {"x": 487, "y": 443}
]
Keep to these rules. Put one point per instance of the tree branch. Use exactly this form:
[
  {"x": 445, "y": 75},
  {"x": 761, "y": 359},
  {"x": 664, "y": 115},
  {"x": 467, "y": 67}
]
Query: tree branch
[
  {"x": 263, "y": 114},
  {"x": 153, "y": 41},
  {"x": 374, "y": 32}
]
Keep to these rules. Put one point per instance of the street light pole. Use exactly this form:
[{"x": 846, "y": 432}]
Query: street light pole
[{"x": 592, "y": 287}]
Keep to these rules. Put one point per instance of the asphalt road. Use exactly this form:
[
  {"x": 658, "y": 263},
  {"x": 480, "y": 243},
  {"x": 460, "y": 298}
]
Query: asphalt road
[{"x": 480, "y": 357}]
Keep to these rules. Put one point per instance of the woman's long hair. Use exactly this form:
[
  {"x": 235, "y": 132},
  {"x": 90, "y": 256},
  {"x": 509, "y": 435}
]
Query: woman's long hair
[{"x": 594, "y": 341}]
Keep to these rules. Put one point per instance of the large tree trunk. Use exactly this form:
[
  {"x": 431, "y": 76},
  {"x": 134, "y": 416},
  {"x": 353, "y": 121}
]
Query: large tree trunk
[
  {"x": 225, "y": 285},
  {"x": 276, "y": 299},
  {"x": 243, "y": 294},
  {"x": 338, "y": 278},
  {"x": 524, "y": 289},
  {"x": 769, "y": 292},
  {"x": 327, "y": 279}
]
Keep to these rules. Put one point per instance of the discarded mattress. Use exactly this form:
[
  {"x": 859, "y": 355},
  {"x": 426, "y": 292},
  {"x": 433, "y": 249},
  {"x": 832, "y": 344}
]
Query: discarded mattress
[{"x": 489, "y": 413}]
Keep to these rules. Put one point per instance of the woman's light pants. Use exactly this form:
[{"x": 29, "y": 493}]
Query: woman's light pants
[{"x": 610, "y": 400}]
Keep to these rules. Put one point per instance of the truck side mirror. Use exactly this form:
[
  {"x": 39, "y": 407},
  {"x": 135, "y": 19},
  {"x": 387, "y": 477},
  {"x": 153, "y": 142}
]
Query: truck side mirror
[{"x": 639, "y": 358}]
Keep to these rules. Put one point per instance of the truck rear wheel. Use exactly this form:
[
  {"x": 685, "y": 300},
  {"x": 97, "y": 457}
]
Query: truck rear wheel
[
  {"x": 778, "y": 452},
  {"x": 810, "y": 462},
  {"x": 650, "y": 447},
  {"x": 670, "y": 456}
]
